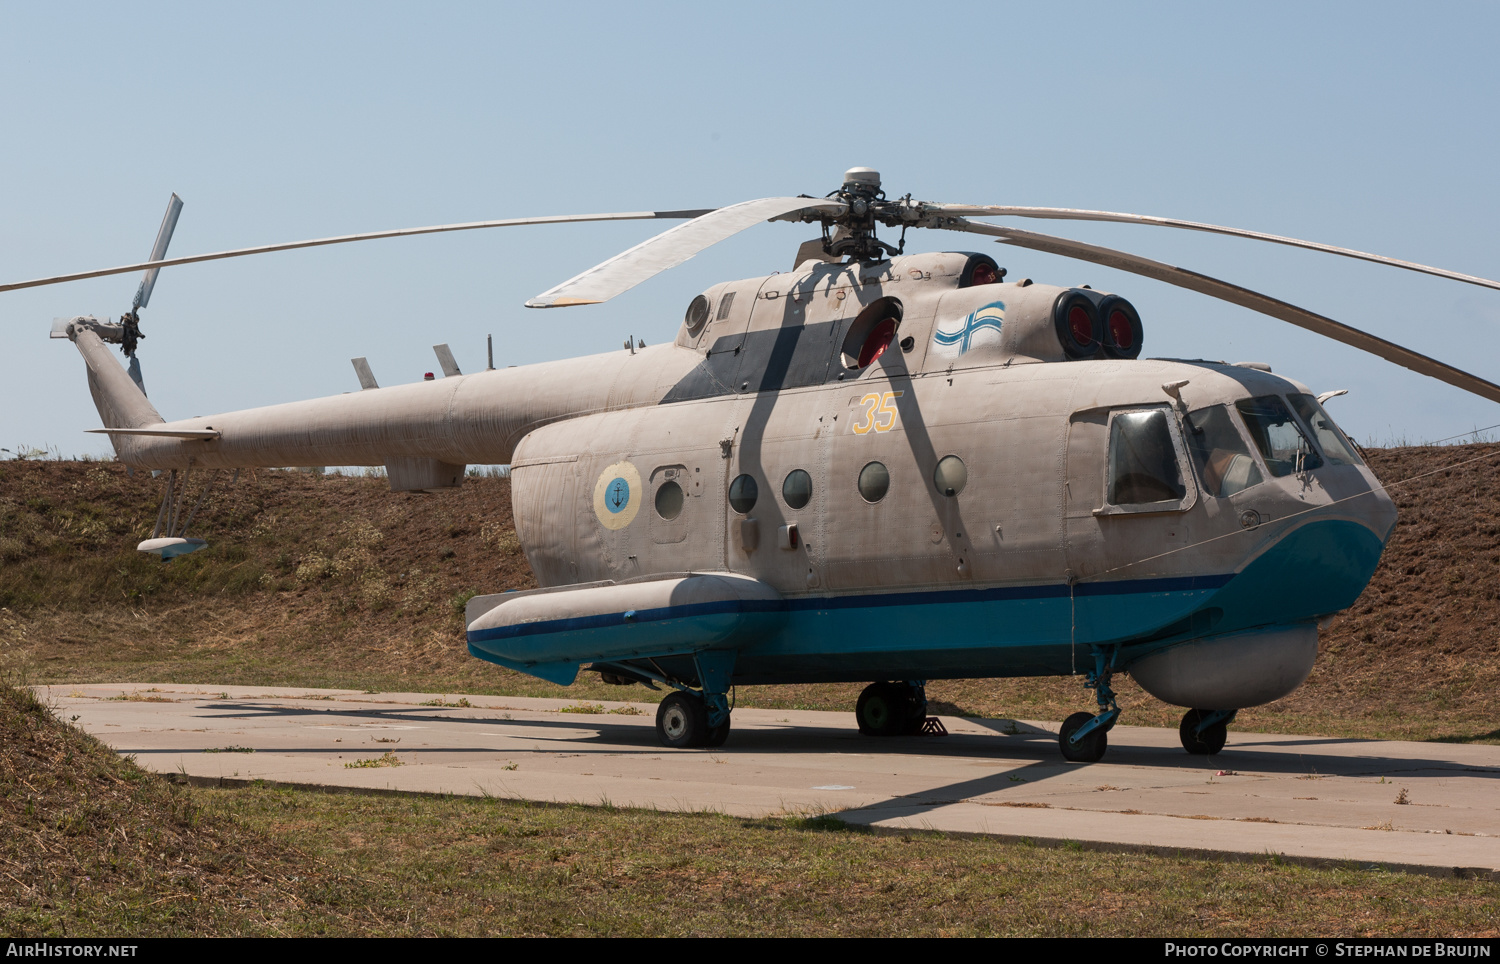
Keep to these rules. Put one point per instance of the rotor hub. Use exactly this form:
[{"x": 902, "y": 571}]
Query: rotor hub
[
  {"x": 856, "y": 226},
  {"x": 861, "y": 181}
]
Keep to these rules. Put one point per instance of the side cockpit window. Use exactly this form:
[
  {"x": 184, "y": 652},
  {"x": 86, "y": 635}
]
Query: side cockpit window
[
  {"x": 1332, "y": 441},
  {"x": 1277, "y": 435},
  {"x": 1145, "y": 470},
  {"x": 1220, "y": 455}
]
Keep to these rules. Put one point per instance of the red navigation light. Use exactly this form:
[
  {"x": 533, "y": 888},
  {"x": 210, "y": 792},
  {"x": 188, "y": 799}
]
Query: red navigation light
[
  {"x": 1121, "y": 330},
  {"x": 1081, "y": 326},
  {"x": 877, "y": 342}
]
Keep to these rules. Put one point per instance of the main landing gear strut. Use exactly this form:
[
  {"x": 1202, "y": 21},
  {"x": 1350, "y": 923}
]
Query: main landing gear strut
[{"x": 698, "y": 717}]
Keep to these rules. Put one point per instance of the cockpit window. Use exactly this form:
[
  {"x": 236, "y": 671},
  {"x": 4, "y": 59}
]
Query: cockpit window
[
  {"x": 1143, "y": 466},
  {"x": 1330, "y": 439},
  {"x": 1224, "y": 462},
  {"x": 1277, "y": 435}
]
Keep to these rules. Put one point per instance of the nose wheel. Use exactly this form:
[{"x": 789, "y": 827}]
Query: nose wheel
[
  {"x": 1088, "y": 748},
  {"x": 1084, "y": 737}
]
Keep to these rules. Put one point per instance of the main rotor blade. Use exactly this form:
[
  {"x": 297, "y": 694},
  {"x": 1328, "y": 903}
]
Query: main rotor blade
[
  {"x": 670, "y": 248},
  {"x": 1244, "y": 297},
  {"x": 344, "y": 239},
  {"x": 1076, "y": 214},
  {"x": 158, "y": 251}
]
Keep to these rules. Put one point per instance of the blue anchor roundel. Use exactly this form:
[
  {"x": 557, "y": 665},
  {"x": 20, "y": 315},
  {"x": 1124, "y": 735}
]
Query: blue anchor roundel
[
  {"x": 615, "y": 502},
  {"x": 617, "y": 495}
]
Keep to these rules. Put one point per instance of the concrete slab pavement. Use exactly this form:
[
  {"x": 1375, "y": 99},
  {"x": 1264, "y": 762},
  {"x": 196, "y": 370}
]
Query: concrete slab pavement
[{"x": 1306, "y": 798}]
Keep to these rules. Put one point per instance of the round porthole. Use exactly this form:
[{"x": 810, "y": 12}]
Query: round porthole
[
  {"x": 951, "y": 475},
  {"x": 742, "y": 494},
  {"x": 874, "y": 482},
  {"x": 669, "y": 500},
  {"x": 797, "y": 489}
]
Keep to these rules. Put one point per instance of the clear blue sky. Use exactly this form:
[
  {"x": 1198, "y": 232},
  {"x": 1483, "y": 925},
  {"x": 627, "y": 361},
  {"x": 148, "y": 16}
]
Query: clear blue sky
[{"x": 1363, "y": 124}]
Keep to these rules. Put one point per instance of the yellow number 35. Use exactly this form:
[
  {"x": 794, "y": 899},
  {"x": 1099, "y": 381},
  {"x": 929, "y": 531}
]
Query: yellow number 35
[{"x": 879, "y": 414}]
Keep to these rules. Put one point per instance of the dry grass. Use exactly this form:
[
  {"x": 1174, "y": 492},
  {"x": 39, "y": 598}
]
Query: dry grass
[
  {"x": 90, "y": 845},
  {"x": 336, "y": 582},
  {"x": 330, "y": 581}
]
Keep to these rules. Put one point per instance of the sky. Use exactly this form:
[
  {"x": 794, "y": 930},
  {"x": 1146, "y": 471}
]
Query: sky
[{"x": 1365, "y": 125}]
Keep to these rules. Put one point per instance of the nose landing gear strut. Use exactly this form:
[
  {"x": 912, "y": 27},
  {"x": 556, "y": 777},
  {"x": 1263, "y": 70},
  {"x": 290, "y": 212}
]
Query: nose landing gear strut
[{"x": 1084, "y": 737}]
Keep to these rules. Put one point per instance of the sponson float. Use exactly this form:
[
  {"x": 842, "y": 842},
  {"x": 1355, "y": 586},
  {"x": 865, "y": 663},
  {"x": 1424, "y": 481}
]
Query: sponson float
[{"x": 876, "y": 467}]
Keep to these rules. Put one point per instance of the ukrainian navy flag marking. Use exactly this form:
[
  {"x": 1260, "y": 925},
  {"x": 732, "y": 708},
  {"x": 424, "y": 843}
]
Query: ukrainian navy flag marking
[{"x": 980, "y": 329}]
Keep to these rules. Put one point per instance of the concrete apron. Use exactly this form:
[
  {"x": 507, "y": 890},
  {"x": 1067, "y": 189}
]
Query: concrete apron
[{"x": 1307, "y": 799}]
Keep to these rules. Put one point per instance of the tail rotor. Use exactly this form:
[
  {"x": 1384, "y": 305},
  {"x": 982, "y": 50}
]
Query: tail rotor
[{"x": 130, "y": 322}]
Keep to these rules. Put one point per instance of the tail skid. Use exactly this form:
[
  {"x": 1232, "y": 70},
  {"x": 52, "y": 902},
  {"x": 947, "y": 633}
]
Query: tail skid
[{"x": 169, "y": 538}]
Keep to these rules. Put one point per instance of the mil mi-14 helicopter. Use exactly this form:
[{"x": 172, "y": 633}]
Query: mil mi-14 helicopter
[{"x": 877, "y": 466}]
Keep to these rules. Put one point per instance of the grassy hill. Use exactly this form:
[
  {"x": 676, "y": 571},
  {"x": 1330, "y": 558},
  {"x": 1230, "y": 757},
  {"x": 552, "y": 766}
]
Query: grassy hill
[{"x": 335, "y": 581}]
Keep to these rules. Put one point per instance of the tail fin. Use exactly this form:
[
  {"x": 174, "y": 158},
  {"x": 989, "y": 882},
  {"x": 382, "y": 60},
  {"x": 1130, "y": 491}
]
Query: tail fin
[{"x": 121, "y": 402}]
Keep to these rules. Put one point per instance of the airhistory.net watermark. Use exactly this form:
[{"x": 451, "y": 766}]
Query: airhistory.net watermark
[{"x": 67, "y": 949}]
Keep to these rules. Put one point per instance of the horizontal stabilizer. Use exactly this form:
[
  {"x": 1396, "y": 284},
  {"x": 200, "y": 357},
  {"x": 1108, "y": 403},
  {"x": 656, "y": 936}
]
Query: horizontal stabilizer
[{"x": 207, "y": 433}]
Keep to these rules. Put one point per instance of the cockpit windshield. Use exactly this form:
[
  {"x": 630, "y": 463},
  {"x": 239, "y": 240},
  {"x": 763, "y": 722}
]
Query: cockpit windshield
[
  {"x": 1330, "y": 439},
  {"x": 1278, "y": 436},
  {"x": 1224, "y": 462}
]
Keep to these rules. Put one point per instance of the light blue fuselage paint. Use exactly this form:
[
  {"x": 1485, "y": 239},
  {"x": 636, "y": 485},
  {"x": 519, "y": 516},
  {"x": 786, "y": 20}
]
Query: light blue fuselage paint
[{"x": 1318, "y": 568}]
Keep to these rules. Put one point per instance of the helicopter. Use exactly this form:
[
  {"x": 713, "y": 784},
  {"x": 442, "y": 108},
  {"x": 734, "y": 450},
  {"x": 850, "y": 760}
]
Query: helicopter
[{"x": 877, "y": 466}]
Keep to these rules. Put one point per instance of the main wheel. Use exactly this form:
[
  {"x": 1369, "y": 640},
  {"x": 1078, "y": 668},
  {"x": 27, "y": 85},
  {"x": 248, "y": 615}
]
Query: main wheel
[
  {"x": 682, "y": 721},
  {"x": 916, "y": 714},
  {"x": 1206, "y": 743},
  {"x": 881, "y": 710},
  {"x": 717, "y": 734},
  {"x": 1088, "y": 750}
]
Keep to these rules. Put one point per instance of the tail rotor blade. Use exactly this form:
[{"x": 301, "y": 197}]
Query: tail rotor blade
[
  {"x": 158, "y": 251},
  {"x": 135, "y": 373}
]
